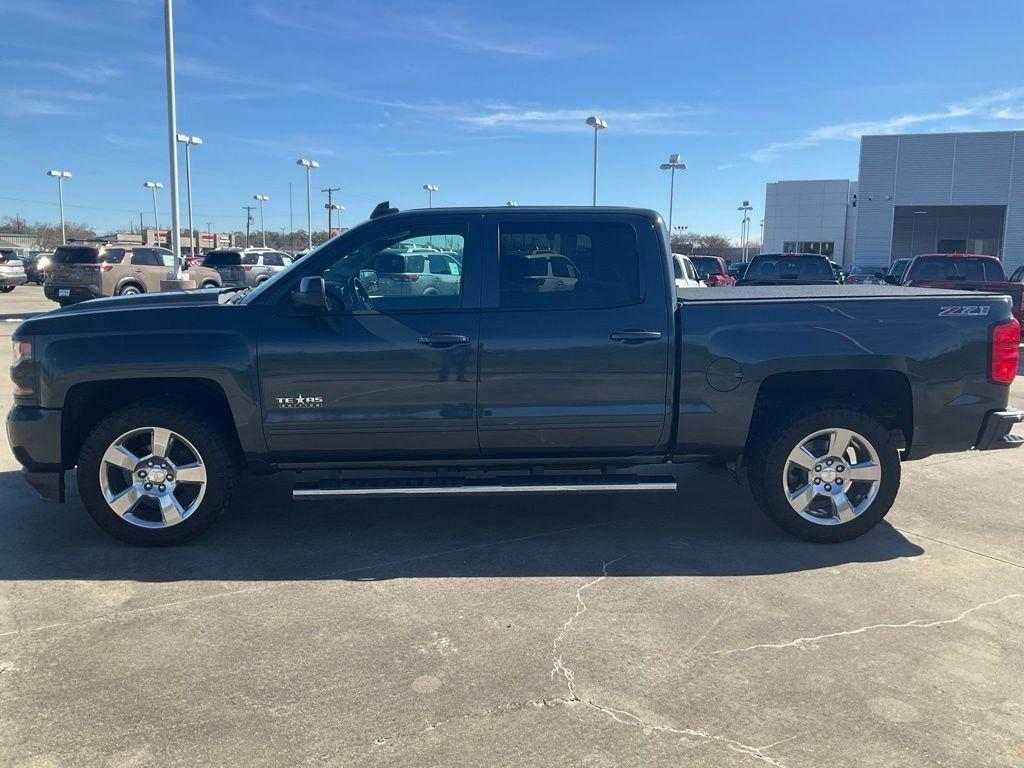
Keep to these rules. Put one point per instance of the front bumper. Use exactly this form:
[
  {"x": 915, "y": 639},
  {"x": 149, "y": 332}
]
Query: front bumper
[
  {"x": 35, "y": 437},
  {"x": 995, "y": 430},
  {"x": 11, "y": 280}
]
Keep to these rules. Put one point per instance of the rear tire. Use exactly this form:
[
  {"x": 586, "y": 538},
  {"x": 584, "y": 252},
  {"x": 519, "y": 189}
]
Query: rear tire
[
  {"x": 825, "y": 474},
  {"x": 127, "y": 473},
  {"x": 6, "y": 288},
  {"x": 129, "y": 290}
]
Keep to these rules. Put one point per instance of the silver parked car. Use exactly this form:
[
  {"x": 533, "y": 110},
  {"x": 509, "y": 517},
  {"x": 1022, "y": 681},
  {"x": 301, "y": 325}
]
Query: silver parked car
[
  {"x": 413, "y": 272},
  {"x": 12, "y": 271},
  {"x": 238, "y": 267}
]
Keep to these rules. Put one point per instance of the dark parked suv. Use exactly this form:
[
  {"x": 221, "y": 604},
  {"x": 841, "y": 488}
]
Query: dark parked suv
[{"x": 238, "y": 267}]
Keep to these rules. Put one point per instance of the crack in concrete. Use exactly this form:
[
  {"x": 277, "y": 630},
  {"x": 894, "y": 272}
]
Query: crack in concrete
[
  {"x": 915, "y": 624},
  {"x": 559, "y": 667}
]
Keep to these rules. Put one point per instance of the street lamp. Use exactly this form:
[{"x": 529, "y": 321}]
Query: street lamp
[
  {"x": 153, "y": 186},
  {"x": 745, "y": 226},
  {"x": 598, "y": 125},
  {"x": 431, "y": 189},
  {"x": 189, "y": 141},
  {"x": 262, "y": 199},
  {"x": 309, "y": 165},
  {"x": 672, "y": 165},
  {"x": 60, "y": 176},
  {"x": 331, "y": 208},
  {"x": 172, "y": 147}
]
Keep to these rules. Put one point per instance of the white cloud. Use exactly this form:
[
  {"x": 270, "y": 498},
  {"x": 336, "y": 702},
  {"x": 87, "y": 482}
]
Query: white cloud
[
  {"x": 652, "y": 121},
  {"x": 985, "y": 106},
  {"x": 85, "y": 73}
]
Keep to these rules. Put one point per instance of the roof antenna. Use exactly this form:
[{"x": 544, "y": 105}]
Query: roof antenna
[{"x": 382, "y": 209}]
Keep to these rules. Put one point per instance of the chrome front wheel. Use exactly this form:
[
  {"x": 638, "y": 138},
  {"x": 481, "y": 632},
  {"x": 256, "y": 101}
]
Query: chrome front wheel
[{"x": 152, "y": 477}]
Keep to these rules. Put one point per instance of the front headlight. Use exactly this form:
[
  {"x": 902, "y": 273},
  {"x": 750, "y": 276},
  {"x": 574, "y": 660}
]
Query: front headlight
[
  {"x": 43, "y": 262},
  {"x": 20, "y": 352}
]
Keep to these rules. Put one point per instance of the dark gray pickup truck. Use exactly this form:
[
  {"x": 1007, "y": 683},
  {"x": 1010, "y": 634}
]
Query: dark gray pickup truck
[{"x": 565, "y": 360}]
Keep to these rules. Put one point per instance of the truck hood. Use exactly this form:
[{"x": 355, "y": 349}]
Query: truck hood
[{"x": 143, "y": 301}]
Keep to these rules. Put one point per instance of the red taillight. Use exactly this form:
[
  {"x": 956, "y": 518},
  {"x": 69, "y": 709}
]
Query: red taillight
[
  {"x": 246, "y": 267},
  {"x": 402, "y": 277},
  {"x": 101, "y": 267},
  {"x": 1005, "y": 352}
]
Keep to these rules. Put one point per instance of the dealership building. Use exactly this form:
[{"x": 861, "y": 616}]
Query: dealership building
[{"x": 916, "y": 193}]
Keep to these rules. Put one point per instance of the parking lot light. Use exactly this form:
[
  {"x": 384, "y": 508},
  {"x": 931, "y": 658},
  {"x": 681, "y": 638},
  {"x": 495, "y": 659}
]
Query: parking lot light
[
  {"x": 431, "y": 189},
  {"x": 262, "y": 199},
  {"x": 60, "y": 176},
  {"x": 672, "y": 165},
  {"x": 746, "y": 208},
  {"x": 331, "y": 208},
  {"x": 189, "y": 141},
  {"x": 598, "y": 125},
  {"x": 309, "y": 165},
  {"x": 153, "y": 187}
]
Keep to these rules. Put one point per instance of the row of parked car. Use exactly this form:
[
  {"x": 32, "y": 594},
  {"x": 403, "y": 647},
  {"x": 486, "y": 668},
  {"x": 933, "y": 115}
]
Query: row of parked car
[{"x": 959, "y": 271}]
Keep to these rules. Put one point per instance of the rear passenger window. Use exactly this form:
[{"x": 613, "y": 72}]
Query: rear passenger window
[
  {"x": 145, "y": 257},
  {"x": 568, "y": 265},
  {"x": 272, "y": 260},
  {"x": 113, "y": 255}
]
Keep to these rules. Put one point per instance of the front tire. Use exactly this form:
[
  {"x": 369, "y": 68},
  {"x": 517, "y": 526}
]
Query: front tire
[
  {"x": 827, "y": 475},
  {"x": 6, "y": 288},
  {"x": 155, "y": 473}
]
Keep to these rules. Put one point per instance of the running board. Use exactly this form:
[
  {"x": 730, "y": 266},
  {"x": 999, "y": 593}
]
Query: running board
[{"x": 484, "y": 486}]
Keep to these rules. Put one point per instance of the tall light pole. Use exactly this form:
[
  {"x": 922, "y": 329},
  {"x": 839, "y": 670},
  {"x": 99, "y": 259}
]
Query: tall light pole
[
  {"x": 153, "y": 187},
  {"x": 331, "y": 208},
  {"x": 189, "y": 141},
  {"x": 762, "y": 237},
  {"x": 746, "y": 208},
  {"x": 261, "y": 199},
  {"x": 309, "y": 165},
  {"x": 330, "y": 202},
  {"x": 672, "y": 165},
  {"x": 172, "y": 132},
  {"x": 60, "y": 176},
  {"x": 598, "y": 125},
  {"x": 431, "y": 189}
]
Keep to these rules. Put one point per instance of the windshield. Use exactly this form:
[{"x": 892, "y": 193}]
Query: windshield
[
  {"x": 75, "y": 254},
  {"x": 708, "y": 264},
  {"x": 790, "y": 269},
  {"x": 222, "y": 259}
]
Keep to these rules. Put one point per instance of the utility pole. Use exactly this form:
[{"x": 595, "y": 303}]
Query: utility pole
[
  {"x": 248, "y": 220},
  {"x": 330, "y": 191},
  {"x": 291, "y": 221}
]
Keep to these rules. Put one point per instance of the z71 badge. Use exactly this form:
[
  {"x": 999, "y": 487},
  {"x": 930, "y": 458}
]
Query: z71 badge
[
  {"x": 300, "y": 401},
  {"x": 967, "y": 311}
]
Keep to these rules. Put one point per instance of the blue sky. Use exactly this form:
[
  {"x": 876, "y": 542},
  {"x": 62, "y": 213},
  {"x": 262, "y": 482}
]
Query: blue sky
[{"x": 487, "y": 100}]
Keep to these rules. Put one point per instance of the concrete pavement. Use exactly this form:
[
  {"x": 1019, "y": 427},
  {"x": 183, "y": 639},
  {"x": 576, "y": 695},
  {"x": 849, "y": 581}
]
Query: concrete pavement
[{"x": 678, "y": 630}]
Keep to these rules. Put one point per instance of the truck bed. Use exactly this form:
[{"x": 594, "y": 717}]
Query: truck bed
[{"x": 817, "y": 292}]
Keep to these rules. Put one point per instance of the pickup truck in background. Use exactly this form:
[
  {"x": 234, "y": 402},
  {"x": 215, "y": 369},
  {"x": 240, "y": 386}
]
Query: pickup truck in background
[
  {"x": 165, "y": 403},
  {"x": 790, "y": 269},
  {"x": 964, "y": 272}
]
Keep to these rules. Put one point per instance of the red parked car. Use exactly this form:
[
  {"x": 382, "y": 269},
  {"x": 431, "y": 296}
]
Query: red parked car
[
  {"x": 965, "y": 272},
  {"x": 715, "y": 269}
]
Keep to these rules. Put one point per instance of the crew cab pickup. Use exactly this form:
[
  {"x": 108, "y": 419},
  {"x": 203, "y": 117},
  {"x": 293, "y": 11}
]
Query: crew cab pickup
[
  {"x": 964, "y": 272},
  {"x": 506, "y": 384}
]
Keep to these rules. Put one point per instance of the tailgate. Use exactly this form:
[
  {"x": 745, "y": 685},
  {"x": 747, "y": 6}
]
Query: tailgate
[
  {"x": 74, "y": 274},
  {"x": 1014, "y": 290},
  {"x": 230, "y": 275}
]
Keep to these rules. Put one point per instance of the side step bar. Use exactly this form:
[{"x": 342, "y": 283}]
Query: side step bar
[{"x": 485, "y": 486}]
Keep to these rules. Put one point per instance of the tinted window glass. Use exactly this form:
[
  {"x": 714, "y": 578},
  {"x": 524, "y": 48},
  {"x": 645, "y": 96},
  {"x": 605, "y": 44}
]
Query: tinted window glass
[
  {"x": 272, "y": 260},
  {"x": 75, "y": 254},
  {"x": 251, "y": 258},
  {"x": 691, "y": 273},
  {"x": 708, "y": 264},
  {"x": 568, "y": 265},
  {"x": 145, "y": 257},
  {"x": 113, "y": 255},
  {"x": 783, "y": 268},
  {"x": 391, "y": 268},
  {"x": 222, "y": 259},
  {"x": 958, "y": 268}
]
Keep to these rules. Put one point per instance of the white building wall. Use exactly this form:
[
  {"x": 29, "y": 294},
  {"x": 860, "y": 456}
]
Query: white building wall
[{"x": 808, "y": 211}]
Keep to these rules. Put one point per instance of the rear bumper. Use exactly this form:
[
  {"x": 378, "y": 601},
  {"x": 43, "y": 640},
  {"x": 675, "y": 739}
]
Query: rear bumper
[
  {"x": 35, "y": 438},
  {"x": 75, "y": 292},
  {"x": 995, "y": 430},
  {"x": 6, "y": 280}
]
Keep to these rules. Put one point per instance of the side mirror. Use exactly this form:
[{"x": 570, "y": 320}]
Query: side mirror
[
  {"x": 370, "y": 278},
  {"x": 312, "y": 293},
  {"x": 891, "y": 279},
  {"x": 702, "y": 275}
]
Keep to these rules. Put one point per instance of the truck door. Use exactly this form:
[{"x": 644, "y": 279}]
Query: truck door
[
  {"x": 382, "y": 373},
  {"x": 579, "y": 365}
]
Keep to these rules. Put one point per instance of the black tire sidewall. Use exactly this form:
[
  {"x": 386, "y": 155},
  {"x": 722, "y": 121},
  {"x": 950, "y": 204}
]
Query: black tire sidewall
[
  {"x": 766, "y": 472},
  {"x": 218, "y": 458}
]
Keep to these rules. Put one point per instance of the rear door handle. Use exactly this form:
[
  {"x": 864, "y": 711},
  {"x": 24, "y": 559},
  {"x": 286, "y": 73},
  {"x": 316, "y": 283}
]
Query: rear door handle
[
  {"x": 635, "y": 337},
  {"x": 444, "y": 339}
]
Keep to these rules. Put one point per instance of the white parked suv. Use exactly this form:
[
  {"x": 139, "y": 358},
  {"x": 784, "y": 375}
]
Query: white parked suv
[{"x": 686, "y": 272}]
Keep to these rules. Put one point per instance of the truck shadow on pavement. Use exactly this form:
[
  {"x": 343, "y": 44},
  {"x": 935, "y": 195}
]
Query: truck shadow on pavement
[{"x": 709, "y": 528}]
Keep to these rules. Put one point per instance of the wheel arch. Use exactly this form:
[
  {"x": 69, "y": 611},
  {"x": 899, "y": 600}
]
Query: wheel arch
[
  {"x": 88, "y": 403},
  {"x": 885, "y": 395},
  {"x": 129, "y": 281}
]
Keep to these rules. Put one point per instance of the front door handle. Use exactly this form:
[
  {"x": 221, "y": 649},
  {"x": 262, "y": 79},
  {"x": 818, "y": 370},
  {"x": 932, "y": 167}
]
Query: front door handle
[
  {"x": 444, "y": 339},
  {"x": 635, "y": 337}
]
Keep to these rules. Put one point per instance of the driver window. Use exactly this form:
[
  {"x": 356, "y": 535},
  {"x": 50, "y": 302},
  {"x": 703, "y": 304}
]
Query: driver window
[{"x": 408, "y": 269}]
